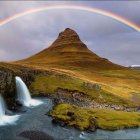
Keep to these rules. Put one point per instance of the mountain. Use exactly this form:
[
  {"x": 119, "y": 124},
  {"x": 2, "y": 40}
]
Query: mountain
[
  {"x": 69, "y": 51},
  {"x": 137, "y": 67},
  {"x": 69, "y": 55},
  {"x": 77, "y": 79}
]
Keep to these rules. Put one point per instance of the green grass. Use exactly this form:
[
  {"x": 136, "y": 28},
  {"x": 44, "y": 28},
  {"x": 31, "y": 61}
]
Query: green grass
[
  {"x": 106, "y": 119},
  {"x": 48, "y": 84}
]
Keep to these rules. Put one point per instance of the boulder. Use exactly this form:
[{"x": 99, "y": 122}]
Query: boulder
[
  {"x": 96, "y": 87},
  {"x": 18, "y": 103},
  {"x": 92, "y": 125}
]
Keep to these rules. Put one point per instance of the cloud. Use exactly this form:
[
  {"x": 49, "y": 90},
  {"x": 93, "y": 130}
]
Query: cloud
[
  {"x": 28, "y": 35},
  {"x": 120, "y": 48}
]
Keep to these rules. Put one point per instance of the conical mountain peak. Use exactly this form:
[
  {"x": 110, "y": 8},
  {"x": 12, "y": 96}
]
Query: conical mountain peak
[
  {"x": 68, "y": 33},
  {"x": 68, "y": 40},
  {"x": 69, "y": 51}
]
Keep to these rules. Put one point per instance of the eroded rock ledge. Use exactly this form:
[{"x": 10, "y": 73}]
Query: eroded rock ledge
[{"x": 81, "y": 99}]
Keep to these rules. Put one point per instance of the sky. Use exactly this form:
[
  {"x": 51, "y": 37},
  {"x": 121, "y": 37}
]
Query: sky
[{"x": 106, "y": 37}]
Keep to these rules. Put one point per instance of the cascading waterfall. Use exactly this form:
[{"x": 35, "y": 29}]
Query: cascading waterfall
[
  {"x": 5, "y": 119},
  {"x": 23, "y": 94},
  {"x": 2, "y": 107}
]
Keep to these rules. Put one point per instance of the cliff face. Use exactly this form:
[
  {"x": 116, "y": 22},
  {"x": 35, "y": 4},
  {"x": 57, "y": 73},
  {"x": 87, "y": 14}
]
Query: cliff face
[{"x": 7, "y": 82}]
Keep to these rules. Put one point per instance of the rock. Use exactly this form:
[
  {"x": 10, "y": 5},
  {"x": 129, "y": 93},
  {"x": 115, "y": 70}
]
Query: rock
[
  {"x": 9, "y": 112},
  {"x": 55, "y": 121},
  {"x": 71, "y": 97},
  {"x": 35, "y": 135},
  {"x": 7, "y": 83},
  {"x": 92, "y": 86},
  {"x": 18, "y": 109},
  {"x": 18, "y": 103},
  {"x": 92, "y": 125},
  {"x": 60, "y": 122},
  {"x": 70, "y": 114}
]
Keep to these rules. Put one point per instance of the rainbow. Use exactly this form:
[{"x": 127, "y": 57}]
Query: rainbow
[{"x": 72, "y": 7}]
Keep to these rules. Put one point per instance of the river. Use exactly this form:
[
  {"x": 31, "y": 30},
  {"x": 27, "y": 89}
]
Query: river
[{"x": 36, "y": 119}]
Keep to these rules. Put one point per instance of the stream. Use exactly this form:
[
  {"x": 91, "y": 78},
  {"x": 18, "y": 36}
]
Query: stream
[{"x": 35, "y": 119}]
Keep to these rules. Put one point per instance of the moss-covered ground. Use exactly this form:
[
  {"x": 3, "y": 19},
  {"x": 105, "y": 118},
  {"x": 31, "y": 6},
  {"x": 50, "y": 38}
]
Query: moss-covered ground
[{"x": 106, "y": 119}]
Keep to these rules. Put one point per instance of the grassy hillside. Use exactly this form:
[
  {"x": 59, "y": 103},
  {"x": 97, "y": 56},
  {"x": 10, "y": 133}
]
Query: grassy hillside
[
  {"x": 119, "y": 92},
  {"x": 50, "y": 83},
  {"x": 120, "y": 82}
]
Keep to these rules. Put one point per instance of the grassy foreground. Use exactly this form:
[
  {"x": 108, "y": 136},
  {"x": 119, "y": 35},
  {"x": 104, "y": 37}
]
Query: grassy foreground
[
  {"x": 49, "y": 84},
  {"x": 106, "y": 119}
]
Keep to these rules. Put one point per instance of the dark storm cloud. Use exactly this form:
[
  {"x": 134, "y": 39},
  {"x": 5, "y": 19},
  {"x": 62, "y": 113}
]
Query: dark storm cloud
[{"x": 107, "y": 37}]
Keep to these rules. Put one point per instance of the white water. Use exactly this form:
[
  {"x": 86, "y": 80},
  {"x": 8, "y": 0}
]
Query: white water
[
  {"x": 5, "y": 119},
  {"x": 2, "y": 107},
  {"x": 23, "y": 94}
]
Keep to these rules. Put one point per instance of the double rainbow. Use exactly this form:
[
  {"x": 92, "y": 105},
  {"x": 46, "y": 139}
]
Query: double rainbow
[{"x": 73, "y": 7}]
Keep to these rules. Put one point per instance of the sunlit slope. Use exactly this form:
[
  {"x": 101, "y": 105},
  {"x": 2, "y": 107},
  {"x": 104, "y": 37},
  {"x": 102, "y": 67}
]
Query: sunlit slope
[{"x": 69, "y": 55}]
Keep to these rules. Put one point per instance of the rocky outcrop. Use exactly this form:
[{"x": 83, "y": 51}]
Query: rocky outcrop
[
  {"x": 71, "y": 96},
  {"x": 81, "y": 99},
  {"x": 93, "y": 125},
  {"x": 96, "y": 87},
  {"x": 7, "y": 82}
]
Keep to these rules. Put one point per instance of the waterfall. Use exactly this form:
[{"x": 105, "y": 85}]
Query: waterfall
[
  {"x": 2, "y": 107},
  {"x": 5, "y": 119},
  {"x": 23, "y": 94}
]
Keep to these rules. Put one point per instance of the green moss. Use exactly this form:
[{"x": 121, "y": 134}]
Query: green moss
[
  {"x": 106, "y": 119},
  {"x": 81, "y": 120},
  {"x": 50, "y": 83}
]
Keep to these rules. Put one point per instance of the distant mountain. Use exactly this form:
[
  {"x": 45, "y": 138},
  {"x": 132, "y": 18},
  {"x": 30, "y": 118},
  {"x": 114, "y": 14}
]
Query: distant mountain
[
  {"x": 69, "y": 51},
  {"x": 136, "y": 67}
]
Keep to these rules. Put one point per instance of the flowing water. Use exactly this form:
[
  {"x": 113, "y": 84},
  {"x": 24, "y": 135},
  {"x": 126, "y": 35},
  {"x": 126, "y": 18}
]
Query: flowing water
[
  {"x": 37, "y": 120},
  {"x": 23, "y": 94},
  {"x": 5, "y": 119},
  {"x": 2, "y": 107}
]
